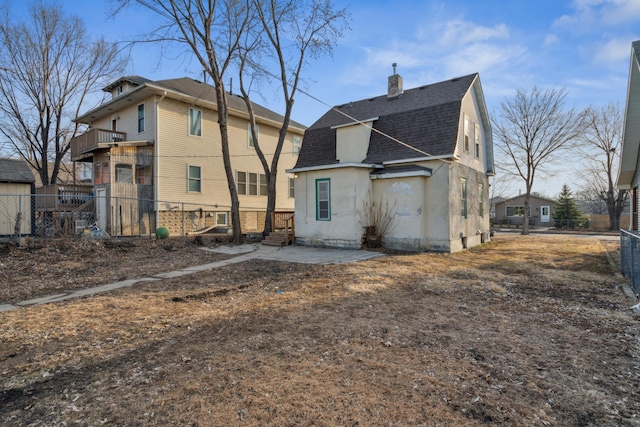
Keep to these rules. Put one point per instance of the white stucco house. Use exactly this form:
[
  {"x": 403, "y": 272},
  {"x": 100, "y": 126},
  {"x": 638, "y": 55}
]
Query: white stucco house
[
  {"x": 425, "y": 154},
  {"x": 629, "y": 172}
]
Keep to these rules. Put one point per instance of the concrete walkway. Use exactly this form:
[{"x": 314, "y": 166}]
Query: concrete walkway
[{"x": 298, "y": 254}]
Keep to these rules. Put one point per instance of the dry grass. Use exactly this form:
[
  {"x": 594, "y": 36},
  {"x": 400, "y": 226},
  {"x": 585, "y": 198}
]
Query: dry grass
[{"x": 524, "y": 331}]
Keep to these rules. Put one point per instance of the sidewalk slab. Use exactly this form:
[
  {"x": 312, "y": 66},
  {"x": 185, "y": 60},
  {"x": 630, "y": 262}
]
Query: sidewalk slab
[{"x": 7, "y": 307}]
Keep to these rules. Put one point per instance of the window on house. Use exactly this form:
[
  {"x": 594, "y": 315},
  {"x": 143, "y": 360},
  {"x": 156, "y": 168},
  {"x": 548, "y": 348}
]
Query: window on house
[
  {"x": 292, "y": 187},
  {"x": 143, "y": 175},
  {"x": 250, "y": 141},
  {"x": 517, "y": 211},
  {"x": 241, "y": 182},
  {"x": 124, "y": 173},
  {"x": 463, "y": 197},
  {"x": 221, "y": 218},
  {"x": 141, "y": 118},
  {"x": 97, "y": 174},
  {"x": 195, "y": 122},
  {"x": 481, "y": 199},
  {"x": 195, "y": 179},
  {"x": 323, "y": 199},
  {"x": 263, "y": 185},
  {"x": 477, "y": 139},
  {"x": 253, "y": 184},
  {"x": 297, "y": 144},
  {"x": 466, "y": 134}
]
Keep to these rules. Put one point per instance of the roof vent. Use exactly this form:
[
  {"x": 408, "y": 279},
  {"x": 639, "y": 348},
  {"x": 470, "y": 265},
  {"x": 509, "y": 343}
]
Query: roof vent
[{"x": 395, "y": 84}]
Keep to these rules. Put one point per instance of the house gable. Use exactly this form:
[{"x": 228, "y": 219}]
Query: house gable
[{"x": 629, "y": 162}]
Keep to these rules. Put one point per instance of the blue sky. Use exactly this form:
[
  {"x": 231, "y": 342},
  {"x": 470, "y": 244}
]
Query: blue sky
[{"x": 583, "y": 45}]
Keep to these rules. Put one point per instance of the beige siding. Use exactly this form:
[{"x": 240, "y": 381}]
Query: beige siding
[
  {"x": 14, "y": 199},
  {"x": 177, "y": 150},
  {"x": 470, "y": 110},
  {"x": 127, "y": 121}
]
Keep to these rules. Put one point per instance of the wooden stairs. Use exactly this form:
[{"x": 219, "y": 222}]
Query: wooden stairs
[{"x": 284, "y": 230}]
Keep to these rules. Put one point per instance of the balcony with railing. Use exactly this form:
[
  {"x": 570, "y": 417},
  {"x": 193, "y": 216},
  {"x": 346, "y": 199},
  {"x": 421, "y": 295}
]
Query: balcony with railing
[{"x": 83, "y": 145}]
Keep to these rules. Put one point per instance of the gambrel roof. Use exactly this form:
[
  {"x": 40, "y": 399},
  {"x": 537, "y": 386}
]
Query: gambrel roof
[
  {"x": 631, "y": 133},
  {"x": 425, "y": 117}
]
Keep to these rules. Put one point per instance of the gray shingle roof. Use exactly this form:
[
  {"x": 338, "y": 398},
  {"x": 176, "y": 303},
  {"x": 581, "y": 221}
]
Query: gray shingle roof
[
  {"x": 207, "y": 92},
  {"x": 426, "y": 117},
  {"x": 16, "y": 171},
  {"x": 135, "y": 80}
]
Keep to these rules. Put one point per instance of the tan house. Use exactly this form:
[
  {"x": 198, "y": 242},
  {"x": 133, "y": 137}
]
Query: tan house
[
  {"x": 510, "y": 212},
  {"x": 629, "y": 173},
  {"x": 157, "y": 159},
  {"x": 423, "y": 156}
]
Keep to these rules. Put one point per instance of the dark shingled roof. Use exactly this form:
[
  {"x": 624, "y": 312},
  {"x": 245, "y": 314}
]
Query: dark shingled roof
[
  {"x": 426, "y": 118},
  {"x": 134, "y": 80},
  {"x": 16, "y": 171},
  {"x": 207, "y": 92}
]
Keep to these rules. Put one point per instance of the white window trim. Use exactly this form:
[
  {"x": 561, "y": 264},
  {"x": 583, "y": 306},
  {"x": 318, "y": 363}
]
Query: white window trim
[
  {"x": 226, "y": 218},
  {"x": 250, "y": 137},
  {"x": 189, "y": 122},
  {"x": 296, "y": 147},
  {"x": 189, "y": 166}
]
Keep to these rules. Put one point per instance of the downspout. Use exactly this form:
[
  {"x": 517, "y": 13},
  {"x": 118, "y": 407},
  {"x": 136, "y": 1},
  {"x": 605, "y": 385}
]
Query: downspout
[{"x": 156, "y": 161}]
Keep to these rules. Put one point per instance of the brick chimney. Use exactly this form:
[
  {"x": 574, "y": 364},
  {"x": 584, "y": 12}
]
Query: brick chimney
[{"x": 395, "y": 84}]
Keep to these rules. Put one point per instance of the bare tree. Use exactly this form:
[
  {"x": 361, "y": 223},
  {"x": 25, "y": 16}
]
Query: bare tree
[
  {"x": 290, "y": 32},
  {"x": 211, "y": 31},
  {"x": 603, "y": 136},
  {"x": 532, "y": 128},
  {"x": 49, "y": 67}
]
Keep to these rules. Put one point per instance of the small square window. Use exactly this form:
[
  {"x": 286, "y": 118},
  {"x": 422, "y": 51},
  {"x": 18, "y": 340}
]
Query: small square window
[
  {"x": 195, "y": 122},
  {"x": 221, "y": 218},
  {"x": 124, "y": 173}
]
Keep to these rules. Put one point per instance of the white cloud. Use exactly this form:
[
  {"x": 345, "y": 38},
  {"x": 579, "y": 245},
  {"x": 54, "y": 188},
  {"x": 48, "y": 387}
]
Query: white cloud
[
  {"x": 613, "y": 50},
  {"x": 461, "y": 32},
  {"x": 590, "y": 14},
  {"x": 551, "y": 39}
]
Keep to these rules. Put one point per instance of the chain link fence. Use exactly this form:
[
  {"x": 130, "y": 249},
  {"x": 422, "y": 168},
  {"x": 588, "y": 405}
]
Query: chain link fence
[
  {"x": 45, "y": 216},
  {"x": 630, "y": 257}
]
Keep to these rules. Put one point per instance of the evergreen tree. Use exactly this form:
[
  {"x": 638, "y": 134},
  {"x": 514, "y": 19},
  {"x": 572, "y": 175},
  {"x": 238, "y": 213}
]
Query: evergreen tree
[{"x": 567, "y": 214}]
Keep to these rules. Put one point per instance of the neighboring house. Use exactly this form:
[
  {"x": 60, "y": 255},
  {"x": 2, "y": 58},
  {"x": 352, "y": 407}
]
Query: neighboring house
[
  {"x": 16, "y": 190},
  {"x": 157, "y": 157},
  {"x": 511, "y": 211},
  {"x": 629, "y": 174},
  {"x": 359, "y": 155}
]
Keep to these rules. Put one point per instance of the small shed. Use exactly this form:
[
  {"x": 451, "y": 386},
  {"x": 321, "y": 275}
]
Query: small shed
[
  {"x": 510, "y": 212},
  {"x": 17, "y": 186}
]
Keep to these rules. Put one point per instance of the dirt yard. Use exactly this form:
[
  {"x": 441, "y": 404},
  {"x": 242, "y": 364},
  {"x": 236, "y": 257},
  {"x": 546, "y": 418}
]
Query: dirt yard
[{"x": 525, "y": 331}]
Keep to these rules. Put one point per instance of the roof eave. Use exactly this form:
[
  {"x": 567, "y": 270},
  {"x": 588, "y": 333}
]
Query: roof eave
[{"x": 631, "y": 132}]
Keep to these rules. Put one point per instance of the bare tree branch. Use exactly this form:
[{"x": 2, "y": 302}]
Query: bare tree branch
[
  {"x": 532, "y": 128},
  {"x": 49, "y": 67}
]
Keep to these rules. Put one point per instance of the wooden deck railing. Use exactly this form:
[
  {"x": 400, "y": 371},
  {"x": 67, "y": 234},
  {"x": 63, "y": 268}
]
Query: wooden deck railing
[
  {"x": 94, "y": 137},
  {"x": 285, "y": 221},
  {"x": 58, "y": 197}
]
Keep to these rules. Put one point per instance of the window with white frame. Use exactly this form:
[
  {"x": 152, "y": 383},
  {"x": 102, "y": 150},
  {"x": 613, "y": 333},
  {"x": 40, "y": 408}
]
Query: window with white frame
[
  {"x": 194, "y": 179},
  {"x": 241, "y": 182},
  {"x": 195, "y": 122},
  {"x": 481, "y": 199},
  {"x": 253, "y": 184},
  {"x": 141, "y": 118},
  {"x": 297, "y": 144},
  {"x": 263, "y": 185},
  {"x": 250, "y": 141},
  {"x": 292, "y": 188},
  {"x": 463, "y": 197},
  {"x": 323, "y": 199},
  {"x": 221, "y": 218}
]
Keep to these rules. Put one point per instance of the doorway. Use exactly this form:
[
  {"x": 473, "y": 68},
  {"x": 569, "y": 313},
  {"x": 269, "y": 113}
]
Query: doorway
[{"x": 545, "y": 214}]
